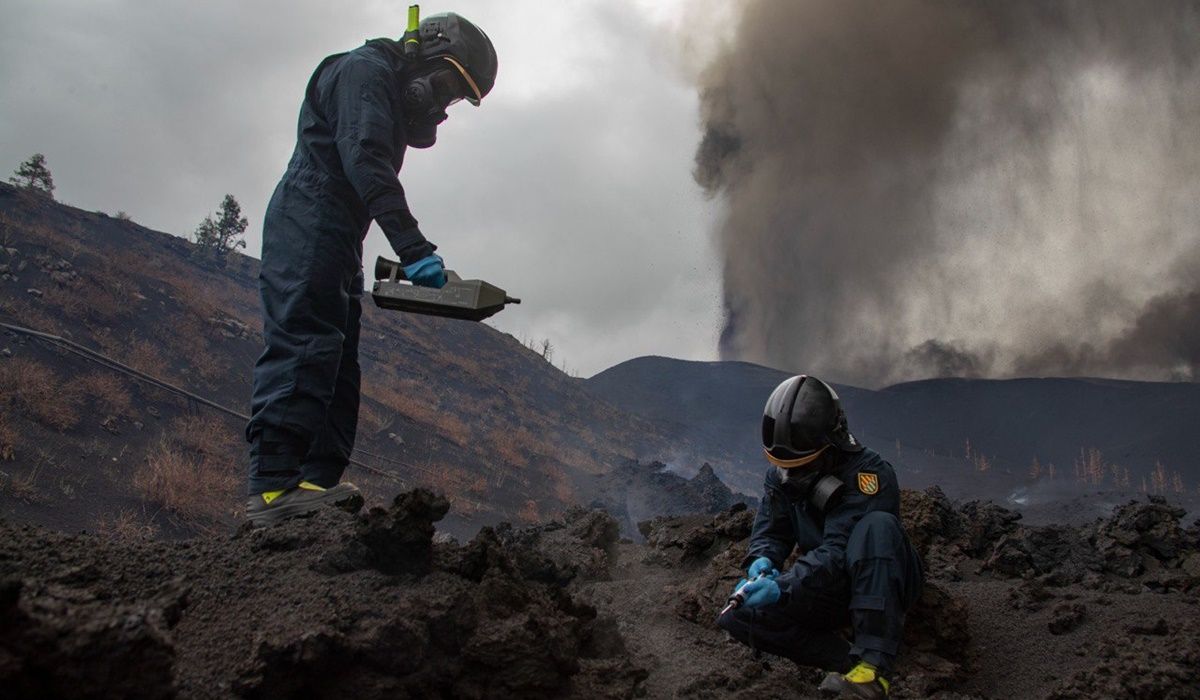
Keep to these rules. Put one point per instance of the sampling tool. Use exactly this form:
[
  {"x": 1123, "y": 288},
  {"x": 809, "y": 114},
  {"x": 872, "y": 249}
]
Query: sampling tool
[
  {"x": 470, "y": 300},
  {"x": 738, "y": 598}
]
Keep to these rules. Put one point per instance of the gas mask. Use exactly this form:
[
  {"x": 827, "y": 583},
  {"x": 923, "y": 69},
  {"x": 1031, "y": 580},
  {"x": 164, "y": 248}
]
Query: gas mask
[
  {"x": 426, "y": 98},
  {"x": 814, "y": 483}
]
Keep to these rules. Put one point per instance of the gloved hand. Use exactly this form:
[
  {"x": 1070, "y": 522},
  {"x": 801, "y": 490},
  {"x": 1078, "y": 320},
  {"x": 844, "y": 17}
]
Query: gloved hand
[
  {"x": 429, "y": 271},
  {"x": 760, "y": 592},
  {"x": 762, "y": 565}
]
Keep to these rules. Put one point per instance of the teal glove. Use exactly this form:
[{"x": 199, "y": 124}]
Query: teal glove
[
  {"x": 429, "y": 271},
  {"x": 762, "y": 565},
  {"x": 760, "y": 592}
]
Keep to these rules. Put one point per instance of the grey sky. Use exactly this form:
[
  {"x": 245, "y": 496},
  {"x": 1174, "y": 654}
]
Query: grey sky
[{"x": 570, "y": 186}]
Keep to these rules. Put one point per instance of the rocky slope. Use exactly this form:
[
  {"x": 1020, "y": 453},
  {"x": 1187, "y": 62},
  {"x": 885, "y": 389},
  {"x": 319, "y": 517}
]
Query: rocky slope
[
  {"x": 381, "y": 605},
  {"x": 450, "y": 405}
]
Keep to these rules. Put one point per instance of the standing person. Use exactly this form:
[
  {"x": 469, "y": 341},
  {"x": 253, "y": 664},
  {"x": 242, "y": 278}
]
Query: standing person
[
  {"x": 361, "y": 111},
  {"x": 838, "y": 505}
]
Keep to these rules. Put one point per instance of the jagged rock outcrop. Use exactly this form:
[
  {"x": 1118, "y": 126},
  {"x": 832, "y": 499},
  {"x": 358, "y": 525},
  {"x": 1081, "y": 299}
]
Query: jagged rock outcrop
[{"x": 635, "y": 492}]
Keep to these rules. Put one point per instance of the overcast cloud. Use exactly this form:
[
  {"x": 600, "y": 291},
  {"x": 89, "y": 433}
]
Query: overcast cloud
[{"x": 570, "y": 187}]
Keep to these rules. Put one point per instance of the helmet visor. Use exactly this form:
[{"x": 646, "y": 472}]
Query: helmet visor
[{"x": 471, "y": 94}]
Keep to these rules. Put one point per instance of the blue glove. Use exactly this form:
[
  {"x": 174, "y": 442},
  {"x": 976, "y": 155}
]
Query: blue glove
[
  {"x": 427, "y": 272},
  {"x": 762, "y": 565},
  {"x": 760, "y": 592}
]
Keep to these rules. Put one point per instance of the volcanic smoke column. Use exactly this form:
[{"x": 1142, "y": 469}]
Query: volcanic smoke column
[{"x": 923, "y": 188}]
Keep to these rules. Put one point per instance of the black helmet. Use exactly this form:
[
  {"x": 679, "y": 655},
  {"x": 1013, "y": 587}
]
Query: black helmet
[
  {"x": 802, "y": 418},
  {"x": 452, "y": 37}
]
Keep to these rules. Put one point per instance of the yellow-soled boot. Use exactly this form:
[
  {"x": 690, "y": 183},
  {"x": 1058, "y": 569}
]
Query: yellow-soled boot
[
  {"x": 273, "y": 506},
  {"x": 862, "y": 681}
]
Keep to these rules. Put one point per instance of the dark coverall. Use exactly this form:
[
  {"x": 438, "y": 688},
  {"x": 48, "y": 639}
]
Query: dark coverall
[
  {"x": 857, "y": 569},
  {"x": 350, "y": 146}
]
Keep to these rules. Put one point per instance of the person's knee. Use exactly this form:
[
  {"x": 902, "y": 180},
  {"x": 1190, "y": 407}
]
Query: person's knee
[
  {"x": 877, "y": 535},
  {"x": 880, "y": 520}
]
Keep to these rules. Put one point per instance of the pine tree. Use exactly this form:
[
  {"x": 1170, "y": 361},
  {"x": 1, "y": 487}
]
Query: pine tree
[
  {"x": 218, "y": 238},
  {"x": 34, "y": 175}
]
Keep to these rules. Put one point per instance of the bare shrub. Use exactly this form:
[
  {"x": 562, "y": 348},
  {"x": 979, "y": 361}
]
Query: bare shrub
[
  {"x": 127, "y": 525},
  {"x": 143, "y": 356},
  {"x": 69, "y": 302},
  {"x": 196, "y": 489},
  {"x": 24, "y": 487},
  {"x": 529, "y": 512},
  {"x": 109, "y": 393},
  {"x": 35, "y": 315},
  {"x": 40, "y": 394},
  {"x": 206, "y": 363},
  {"x": 196, "y": 297}
]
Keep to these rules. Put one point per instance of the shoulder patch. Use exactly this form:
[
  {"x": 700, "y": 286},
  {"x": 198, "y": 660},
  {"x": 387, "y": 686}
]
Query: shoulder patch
[{"x": 868, "y": 483}]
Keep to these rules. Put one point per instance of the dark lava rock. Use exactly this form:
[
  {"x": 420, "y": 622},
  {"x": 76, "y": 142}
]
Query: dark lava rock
[
  {"x": 1142, "y": 539},
  {"x": 395, "y": 540},
  {"x": 676, "y": 541},
  {"x": 943, "y": 534},
  {"x": 1031, "y": 594},
  {"x": 478, "y": 629},
  {"x": 1158, "y": 628},
  {"x": 1066, "y": 617},
  {"x": 578, "y": 548},
  {"x": 1140, "y": 536},
  {"x": 985, "y": 524},
  {"x": 59, "y": 642},
  {"x": 1032, "y": 551},
  {"x": 1155, "y": 665},
  {"x": 332, "y": 605},
  {"x": 929, "y": 518},
  {"x": 635, "y": 491}
]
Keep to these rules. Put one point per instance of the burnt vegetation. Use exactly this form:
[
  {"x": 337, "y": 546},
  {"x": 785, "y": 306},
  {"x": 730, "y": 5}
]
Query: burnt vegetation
[{"x": 449, "y": 405}]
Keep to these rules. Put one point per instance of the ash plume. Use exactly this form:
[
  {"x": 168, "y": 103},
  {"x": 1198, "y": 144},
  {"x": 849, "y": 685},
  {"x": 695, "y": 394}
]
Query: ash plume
[{"x": 927, "y": 188}]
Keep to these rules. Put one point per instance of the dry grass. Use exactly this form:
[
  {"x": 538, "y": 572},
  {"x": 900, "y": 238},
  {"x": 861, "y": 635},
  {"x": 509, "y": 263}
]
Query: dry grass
[
  {"x": 206, "y": 363},
  {"x": 418, "y": 402},
  {"x": 372, "y": 421},
  {"x": 8, "y": 440},
  {"x": 35, "y": 314},
  {"x": 24, "y": 487},
  {"x": 108, "y": 391},
  {"x": 512, "y": 446},
  {"x": 127, "y": 525},
  {"x": 196, "y": 489},
  {"x": 69, "y": 302},
  {"x": 529, "y": 513},
  {"x": 145, "y": 357},
  {"x": 39, "y": 393},
  {"x": 205, "y": 434}
]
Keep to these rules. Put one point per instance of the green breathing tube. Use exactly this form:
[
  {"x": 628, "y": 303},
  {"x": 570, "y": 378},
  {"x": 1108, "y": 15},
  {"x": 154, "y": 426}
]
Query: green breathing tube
[{"x": 412, "y": 42}]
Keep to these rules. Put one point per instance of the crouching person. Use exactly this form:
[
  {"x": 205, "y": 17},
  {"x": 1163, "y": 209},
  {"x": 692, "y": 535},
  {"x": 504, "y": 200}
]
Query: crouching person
[{"x": 839, "y": 504}]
